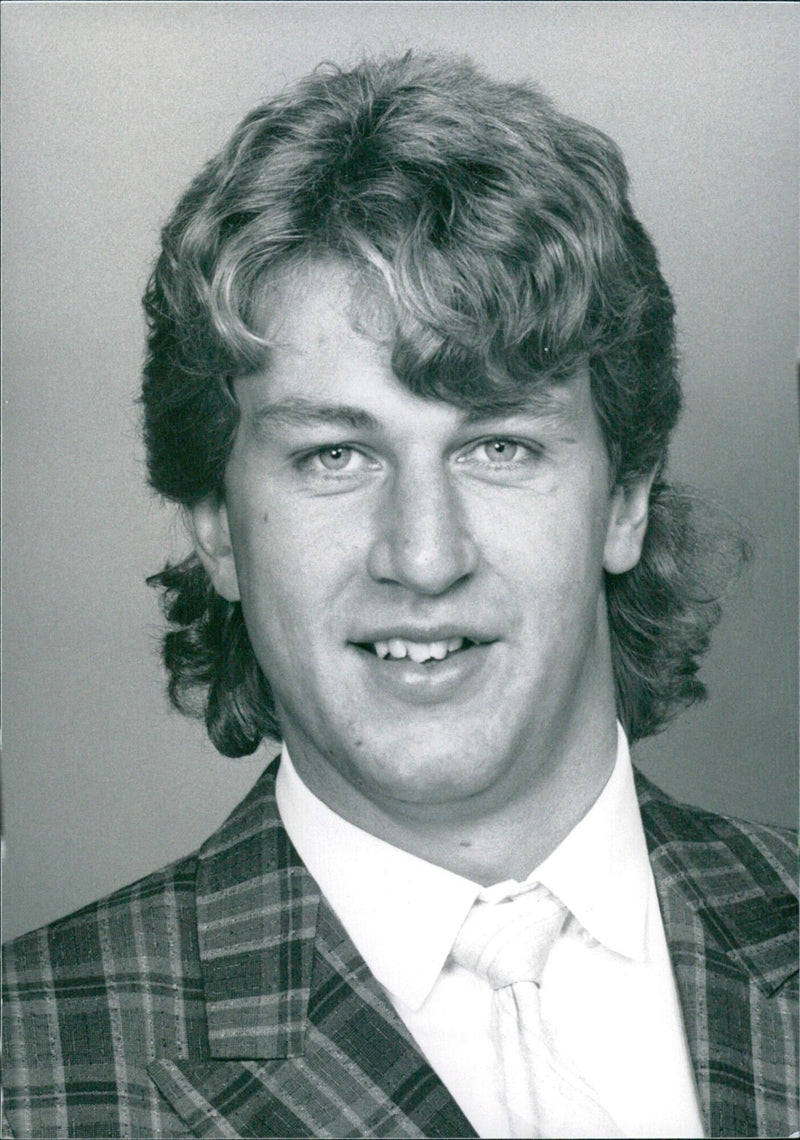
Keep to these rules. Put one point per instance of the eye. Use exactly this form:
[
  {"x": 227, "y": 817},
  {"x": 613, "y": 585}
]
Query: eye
[
  {"x": 499, "y": 451},
  {"x": 502, "y": 459},
  {"x": 335, "y": 458}
]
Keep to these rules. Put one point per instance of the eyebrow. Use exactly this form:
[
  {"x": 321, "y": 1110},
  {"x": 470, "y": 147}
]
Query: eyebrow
[
  {"x": 539, "y": 406},
  {"x": 297, "y": 411},
  {"x": 544, "y": 405}
]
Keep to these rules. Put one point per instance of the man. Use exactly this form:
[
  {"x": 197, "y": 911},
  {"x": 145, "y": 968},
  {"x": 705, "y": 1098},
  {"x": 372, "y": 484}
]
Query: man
[{"x": 411, "y": 374}]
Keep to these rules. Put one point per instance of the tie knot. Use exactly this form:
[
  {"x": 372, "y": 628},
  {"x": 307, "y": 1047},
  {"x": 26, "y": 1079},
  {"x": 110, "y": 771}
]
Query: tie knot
[{"x": 509, "y": 941}]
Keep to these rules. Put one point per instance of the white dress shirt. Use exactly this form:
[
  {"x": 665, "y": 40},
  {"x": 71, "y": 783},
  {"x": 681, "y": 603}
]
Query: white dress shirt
[{"x": 608, "y": 990}]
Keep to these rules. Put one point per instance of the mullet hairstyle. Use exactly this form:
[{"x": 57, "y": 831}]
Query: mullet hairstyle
[{"x": 501, "y": 234}]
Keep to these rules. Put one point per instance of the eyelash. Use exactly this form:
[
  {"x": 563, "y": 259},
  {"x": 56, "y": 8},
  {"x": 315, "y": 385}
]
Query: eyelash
[
  {"x": 306, "y": 461},
  {"x": 531, "y": 452},
  {"x": 311, "y": 461}
]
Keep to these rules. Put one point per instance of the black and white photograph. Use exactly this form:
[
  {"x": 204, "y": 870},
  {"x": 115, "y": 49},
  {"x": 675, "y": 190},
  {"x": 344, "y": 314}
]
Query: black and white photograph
[{"x": 400, "y": 569}]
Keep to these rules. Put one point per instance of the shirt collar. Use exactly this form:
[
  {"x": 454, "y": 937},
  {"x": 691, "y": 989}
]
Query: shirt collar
[
  {"x": 601, "y": 870},
  {"x": 403, "y": 913}
]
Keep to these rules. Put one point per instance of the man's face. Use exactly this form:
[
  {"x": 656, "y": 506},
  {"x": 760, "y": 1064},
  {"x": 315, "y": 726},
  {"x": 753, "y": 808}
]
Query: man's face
[{"x": 423, "y": 590}]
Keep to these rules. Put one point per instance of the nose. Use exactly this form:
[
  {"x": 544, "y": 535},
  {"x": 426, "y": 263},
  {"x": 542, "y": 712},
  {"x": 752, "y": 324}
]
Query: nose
[{"x": 423, "y": 541}]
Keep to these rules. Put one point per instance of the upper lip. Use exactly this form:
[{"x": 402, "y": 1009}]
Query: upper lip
[{"x": 423, "y": 634}]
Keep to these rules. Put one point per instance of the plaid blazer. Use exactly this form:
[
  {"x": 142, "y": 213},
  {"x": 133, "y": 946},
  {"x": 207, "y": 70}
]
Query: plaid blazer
[{"x": 221, "y": 997}]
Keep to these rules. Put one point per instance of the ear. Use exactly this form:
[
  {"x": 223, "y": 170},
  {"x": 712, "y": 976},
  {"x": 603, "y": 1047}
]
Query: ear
[
  {"x": 212, "y": 541},
  {"x": 627, "y": 525}
]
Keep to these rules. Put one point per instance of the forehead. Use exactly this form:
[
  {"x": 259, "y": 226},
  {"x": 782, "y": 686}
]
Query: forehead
[
  {"x": 331, "y": 332},
  {"x": 328, "y": 305}
]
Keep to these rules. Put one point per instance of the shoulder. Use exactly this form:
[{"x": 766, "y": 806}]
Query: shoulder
[
  {"x": 90, "y": 1000},
  {"x": 703, "y": 837},
  {"x": 151, "y": 919},
  {"x": 145, "y": 934}
]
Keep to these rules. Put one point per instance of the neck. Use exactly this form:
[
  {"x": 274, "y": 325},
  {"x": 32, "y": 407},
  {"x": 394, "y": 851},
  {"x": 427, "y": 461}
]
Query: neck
[{"x": 504, "y": 837}]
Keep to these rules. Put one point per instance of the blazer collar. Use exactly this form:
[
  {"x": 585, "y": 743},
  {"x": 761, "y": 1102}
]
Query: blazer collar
[
  {"x": 257, "y": 913},
  {"x": 718, "y": 869},
  {"x": 302, "y": 1040},
  {"x": 257, "y": 910},
  {"x": 730, "y": 923}
]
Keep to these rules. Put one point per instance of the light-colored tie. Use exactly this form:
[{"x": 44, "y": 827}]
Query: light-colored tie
[{"x": 507, "y": 943}]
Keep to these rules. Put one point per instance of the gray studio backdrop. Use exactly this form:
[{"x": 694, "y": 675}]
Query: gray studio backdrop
[{"x": 109, "y": 110}]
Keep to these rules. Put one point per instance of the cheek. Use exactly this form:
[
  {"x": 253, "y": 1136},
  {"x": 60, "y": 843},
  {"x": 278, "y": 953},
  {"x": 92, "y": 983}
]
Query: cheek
[
  {"x": 292, "y": 566},
  {"x": 554, "y": 540},
  {"x": 547, "y": 552}
]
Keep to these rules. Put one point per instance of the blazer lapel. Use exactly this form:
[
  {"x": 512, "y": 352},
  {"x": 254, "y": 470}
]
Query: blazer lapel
[
  {"x": 301, "y": 1039},
  {"x": 303, "y": 1042},
  {"x": 731, "y": 927}
]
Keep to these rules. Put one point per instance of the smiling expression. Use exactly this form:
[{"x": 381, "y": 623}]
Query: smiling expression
[{"x": 423, "y": 589}]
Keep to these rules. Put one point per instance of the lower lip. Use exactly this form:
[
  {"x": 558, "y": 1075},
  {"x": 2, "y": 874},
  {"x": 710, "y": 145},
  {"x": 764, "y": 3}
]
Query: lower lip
[{"x": 457, "y": 676}]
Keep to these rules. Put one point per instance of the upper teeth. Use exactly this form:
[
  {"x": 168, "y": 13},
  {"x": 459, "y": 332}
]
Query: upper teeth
[{"x": 418, "y": 651}]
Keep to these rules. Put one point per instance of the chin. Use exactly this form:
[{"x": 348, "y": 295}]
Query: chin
[{"x": 425, "y": 775}]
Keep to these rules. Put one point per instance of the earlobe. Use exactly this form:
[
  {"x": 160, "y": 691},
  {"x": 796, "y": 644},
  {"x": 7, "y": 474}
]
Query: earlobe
[
  {"x": 627, "y": 526},
  {"x": 212, "y": 541}
]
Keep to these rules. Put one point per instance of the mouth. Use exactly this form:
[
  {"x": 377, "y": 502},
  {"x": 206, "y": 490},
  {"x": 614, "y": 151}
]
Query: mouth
[
  {"x": 419, "y": 667},
  {"x": 420, "y": 652}
]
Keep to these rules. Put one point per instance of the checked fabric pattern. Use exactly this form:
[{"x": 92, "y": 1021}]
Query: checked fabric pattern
[{"x": 220, "y": 997}]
